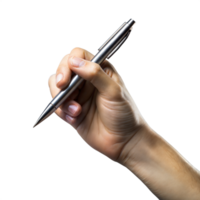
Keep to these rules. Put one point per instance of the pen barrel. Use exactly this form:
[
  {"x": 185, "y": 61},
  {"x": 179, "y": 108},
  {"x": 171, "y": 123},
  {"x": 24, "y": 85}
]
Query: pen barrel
[
  {"x": 109, "y": 47},
  {"x": 103, "y": 53}
]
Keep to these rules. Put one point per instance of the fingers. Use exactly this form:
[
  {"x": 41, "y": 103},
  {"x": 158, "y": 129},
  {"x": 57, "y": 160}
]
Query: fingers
[
  {"x": 52, "y": 85},
  {"x": 106, "y": 80},
  {"x": 93, "y": 73},
  {"x": 69, "y": 107},
  {"x": 72, "y": 108},
  {"x": 63, "y": 73},
  {"x": 55, "y": 90}
]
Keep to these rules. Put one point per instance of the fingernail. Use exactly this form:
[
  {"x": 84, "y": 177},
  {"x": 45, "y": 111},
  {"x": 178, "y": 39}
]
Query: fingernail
[
  {"x": 72, "y": 109},
  {"x": 68, "y": 118},
  {"x": 59, "y": 77},
  {"x": 77, "y": 62}
]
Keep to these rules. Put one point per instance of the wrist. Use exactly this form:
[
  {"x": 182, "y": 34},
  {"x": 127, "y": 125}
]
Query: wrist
[
  {"x": 160, "y": 167},
  {"x": 137, "y": 150}
]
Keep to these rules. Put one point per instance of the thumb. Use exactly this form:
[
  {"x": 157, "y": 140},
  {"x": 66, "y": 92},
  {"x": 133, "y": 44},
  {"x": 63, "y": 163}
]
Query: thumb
[{"x": 93, "y": 73}]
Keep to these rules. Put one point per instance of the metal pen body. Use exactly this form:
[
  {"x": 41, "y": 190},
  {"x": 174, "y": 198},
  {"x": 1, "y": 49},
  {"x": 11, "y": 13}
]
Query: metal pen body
[{"x": 106, "y": 50}]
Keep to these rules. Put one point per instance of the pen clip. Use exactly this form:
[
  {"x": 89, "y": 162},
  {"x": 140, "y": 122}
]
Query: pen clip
[
  {"x": 120, "y": 45},
  {"x": 124, "y": 40},
  {"x": 110, "y": 36}
]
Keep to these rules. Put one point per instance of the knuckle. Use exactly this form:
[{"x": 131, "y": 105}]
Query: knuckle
[
  {"x": 50, "y": 81},
  {"x": 61, "y": 67},
  {"x": 118, "y": 80},
  {"x": 62, "y": 60},
  {"x": 49, "y": 78},
  {"x": 94, "y": 70},
  {"x": 76, "y": 49},
  {"x": 118, "y": 92},
  {"x": 88, "y": 55}
]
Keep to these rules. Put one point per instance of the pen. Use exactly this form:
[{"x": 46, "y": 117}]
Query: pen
[{"x": 111, "y": 45}]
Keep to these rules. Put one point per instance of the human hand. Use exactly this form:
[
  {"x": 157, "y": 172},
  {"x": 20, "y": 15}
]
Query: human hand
[{"x": 101, "y": 109}]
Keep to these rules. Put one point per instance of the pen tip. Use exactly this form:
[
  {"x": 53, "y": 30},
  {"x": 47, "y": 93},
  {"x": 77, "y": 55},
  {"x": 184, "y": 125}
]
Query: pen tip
[{"x": 32, "y": 126}]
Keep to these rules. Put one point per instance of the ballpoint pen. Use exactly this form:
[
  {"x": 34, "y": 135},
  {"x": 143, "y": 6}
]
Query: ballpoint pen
[{"x": 111, "y": 45}]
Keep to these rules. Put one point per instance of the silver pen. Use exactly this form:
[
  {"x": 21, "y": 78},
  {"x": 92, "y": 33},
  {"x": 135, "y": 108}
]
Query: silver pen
[{"x": 111, "y": 45}]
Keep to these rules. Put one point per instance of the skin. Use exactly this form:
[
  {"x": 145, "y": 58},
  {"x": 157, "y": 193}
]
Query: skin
[{"x": 106, "y": 117}]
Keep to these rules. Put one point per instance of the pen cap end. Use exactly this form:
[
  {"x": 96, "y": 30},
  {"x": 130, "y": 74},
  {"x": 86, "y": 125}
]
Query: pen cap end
[
  {"x": 134, "y": 25},
  {"x": 131, "y": 22}
]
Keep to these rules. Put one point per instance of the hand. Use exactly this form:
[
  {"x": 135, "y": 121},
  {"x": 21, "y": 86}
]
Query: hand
[
  {"x": 104, "y": 114},
  {"x": 101, "y": 109}
]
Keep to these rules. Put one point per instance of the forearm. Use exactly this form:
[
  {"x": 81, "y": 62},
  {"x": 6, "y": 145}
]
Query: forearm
[{"x": 161, "y": 167}]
